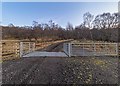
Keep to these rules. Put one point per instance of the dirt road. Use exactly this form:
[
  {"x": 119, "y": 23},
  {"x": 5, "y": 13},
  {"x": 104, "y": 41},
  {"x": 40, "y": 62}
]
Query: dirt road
[{"x": 54, "y": 70}]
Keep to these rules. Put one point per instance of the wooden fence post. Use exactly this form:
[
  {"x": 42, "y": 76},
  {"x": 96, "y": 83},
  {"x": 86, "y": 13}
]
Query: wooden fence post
[
  {"x": 16, "y": 49},
  {"x": 0, "y": 50},
  {"x": 83, "y": 50},
  {"x": 33, "y": 47},
  {"x": 21, "y": 49},
  {"x": 94, "y": 49},
  {"x": 117, "y": 49},
  {"x": 29, "y": 46}
]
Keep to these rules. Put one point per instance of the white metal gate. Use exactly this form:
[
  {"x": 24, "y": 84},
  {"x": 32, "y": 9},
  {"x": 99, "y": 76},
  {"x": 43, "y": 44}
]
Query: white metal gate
[
  {"x": 91, "y": 49},
  {"x": 26, "y": 47}
]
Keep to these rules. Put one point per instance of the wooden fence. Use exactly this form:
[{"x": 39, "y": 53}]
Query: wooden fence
[{"x": 10, "y": 49}]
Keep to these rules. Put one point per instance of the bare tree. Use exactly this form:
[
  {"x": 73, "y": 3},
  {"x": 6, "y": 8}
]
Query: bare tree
[
  {"x": 87, "y": 17},
  {"x": 69, "y": 26}
]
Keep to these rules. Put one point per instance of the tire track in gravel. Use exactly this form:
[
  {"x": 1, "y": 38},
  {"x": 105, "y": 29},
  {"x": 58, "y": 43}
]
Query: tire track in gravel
[
  {"x": 47, "y": 73},
  {"x": 19, "y": 76},
  {"x": 32, "y": 75},
  {"x": 15, "y": 65}
]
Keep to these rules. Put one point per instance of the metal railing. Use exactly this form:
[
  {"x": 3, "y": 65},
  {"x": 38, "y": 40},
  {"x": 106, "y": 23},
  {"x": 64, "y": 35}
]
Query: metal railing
[
  {"x": 90, "y": 49},
  {"x": 26, "y": 47}
]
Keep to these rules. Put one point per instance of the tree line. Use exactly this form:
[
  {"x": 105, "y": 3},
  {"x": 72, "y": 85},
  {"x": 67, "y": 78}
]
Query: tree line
[{"x": 103, "y": 27}]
